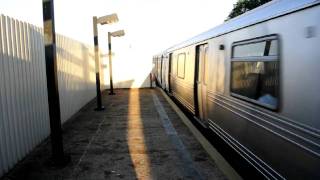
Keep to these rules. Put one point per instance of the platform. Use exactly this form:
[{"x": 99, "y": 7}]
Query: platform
[{"x": 138, "y": 136}]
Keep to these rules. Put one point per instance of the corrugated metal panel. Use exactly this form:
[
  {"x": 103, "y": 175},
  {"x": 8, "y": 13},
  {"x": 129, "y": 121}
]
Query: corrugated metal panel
[
  {"x": 24, "y": 118},
  {"x": 76, "y": 75}
]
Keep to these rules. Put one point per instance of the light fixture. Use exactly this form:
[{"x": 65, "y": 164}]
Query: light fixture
[
  {"x": 118, "y": 33},
  {"x": 108, "y": 19}
]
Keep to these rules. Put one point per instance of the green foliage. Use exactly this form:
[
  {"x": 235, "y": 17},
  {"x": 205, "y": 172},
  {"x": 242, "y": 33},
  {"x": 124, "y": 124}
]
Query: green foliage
[{"x": 243, "y": 6}]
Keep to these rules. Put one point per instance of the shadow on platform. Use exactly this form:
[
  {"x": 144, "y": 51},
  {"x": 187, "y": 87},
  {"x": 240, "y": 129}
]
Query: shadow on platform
[{"x": 126, "y": 141}]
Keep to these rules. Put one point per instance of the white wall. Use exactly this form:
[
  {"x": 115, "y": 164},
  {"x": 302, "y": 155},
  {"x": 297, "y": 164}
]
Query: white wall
[{"x": 24, "y": 118}]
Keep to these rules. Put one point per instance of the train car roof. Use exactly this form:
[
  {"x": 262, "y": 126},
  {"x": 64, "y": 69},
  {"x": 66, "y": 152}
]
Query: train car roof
[{"x": 265, "y": 12}]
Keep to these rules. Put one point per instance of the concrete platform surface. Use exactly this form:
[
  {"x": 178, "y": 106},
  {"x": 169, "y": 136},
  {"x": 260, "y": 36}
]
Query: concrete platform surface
[{"x": 138, "y": 136}]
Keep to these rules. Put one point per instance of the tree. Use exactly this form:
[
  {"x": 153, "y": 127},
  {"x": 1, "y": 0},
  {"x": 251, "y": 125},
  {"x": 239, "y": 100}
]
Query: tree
[{"x": 243, "y": 6}]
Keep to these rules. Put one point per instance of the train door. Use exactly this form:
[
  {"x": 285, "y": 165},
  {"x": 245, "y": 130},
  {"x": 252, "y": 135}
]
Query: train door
[
  {"x": 169, "y": 74},
  {"x": 201, "y": 82}
]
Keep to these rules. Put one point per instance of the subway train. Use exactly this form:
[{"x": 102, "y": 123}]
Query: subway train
[{"x": 252, "y": 81}]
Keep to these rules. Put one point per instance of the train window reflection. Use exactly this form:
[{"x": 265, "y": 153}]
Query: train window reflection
[
  {"x": 256, "y": 78},
  {"x": 258, "y": 81}
]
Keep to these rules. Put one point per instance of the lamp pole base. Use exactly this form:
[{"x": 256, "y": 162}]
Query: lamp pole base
[
  {"x": 60, "y": 162},
  {"x": 100, "y": 108}
]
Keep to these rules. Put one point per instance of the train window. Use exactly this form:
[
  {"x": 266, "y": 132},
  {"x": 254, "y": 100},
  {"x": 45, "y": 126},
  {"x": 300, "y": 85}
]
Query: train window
[
  {"x": 255, "y": 75},
  {"x": 181, "y": 65},
  {"x": 273, "y": 48},
  {"x": 246, "y": 50}
]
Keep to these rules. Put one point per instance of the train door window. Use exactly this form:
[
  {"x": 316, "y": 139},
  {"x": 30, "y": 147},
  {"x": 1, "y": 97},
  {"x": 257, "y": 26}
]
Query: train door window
[
  {"x": 181, "y": 65},
  {"x": 159, "y": 67},
  {"x": 175, "y": 62},
  {"x": 174, "y": 66},
  {"x": 155, "y": 65},
  {"x": 205, "y": 70},
  {"x": 255, "y": 71}
]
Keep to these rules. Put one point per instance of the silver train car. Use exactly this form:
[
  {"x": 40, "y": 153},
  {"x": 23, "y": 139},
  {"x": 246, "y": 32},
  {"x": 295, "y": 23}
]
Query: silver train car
[{"x": 253, "y": 82}]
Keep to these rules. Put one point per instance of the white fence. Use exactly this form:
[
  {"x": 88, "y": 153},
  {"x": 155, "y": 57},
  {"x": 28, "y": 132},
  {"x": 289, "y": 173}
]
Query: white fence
[
  {"x": 76, "y": 75},
  {"x": 24, "y": 119}
]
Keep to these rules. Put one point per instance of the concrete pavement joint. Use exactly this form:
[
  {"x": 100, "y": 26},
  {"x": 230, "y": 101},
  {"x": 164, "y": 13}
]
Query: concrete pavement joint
[
  {"x": 87, "y": 147},
  {"x": 184, "y": 155}
]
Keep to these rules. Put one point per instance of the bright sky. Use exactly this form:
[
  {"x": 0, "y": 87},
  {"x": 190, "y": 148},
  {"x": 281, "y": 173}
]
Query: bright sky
[
  {"x": 159, "y": 23},
  {"x": 150, "y": 25}
]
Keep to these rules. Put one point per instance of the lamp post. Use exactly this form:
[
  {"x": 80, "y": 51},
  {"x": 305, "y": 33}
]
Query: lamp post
[
  {"x": 113, "y": 34},
  {"x": 59, "y": 158},
  {"x": 109, "y": 19}
]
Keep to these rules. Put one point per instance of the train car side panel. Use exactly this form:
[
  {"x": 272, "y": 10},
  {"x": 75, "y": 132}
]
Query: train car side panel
[
  {"x": 182, "y": 78},
  {"x": 259, "y": 131}
]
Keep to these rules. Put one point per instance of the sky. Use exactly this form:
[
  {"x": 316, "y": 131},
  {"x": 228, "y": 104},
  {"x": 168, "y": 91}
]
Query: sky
[{"x": 151, "y": 26}]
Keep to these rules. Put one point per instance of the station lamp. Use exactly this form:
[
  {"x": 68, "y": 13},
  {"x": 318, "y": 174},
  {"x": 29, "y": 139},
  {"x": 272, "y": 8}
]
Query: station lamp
[
  {"x": 118, "y": 33},
  {"x": 113, "y": 34},
  {"x": 108, "y": 19}
]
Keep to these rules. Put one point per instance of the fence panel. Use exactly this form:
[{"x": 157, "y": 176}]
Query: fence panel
[{"x": 24, "y": 117}]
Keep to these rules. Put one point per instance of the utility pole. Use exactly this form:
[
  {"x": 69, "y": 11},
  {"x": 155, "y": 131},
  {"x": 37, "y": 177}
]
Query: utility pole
[{"x": 58, "y": 156}]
